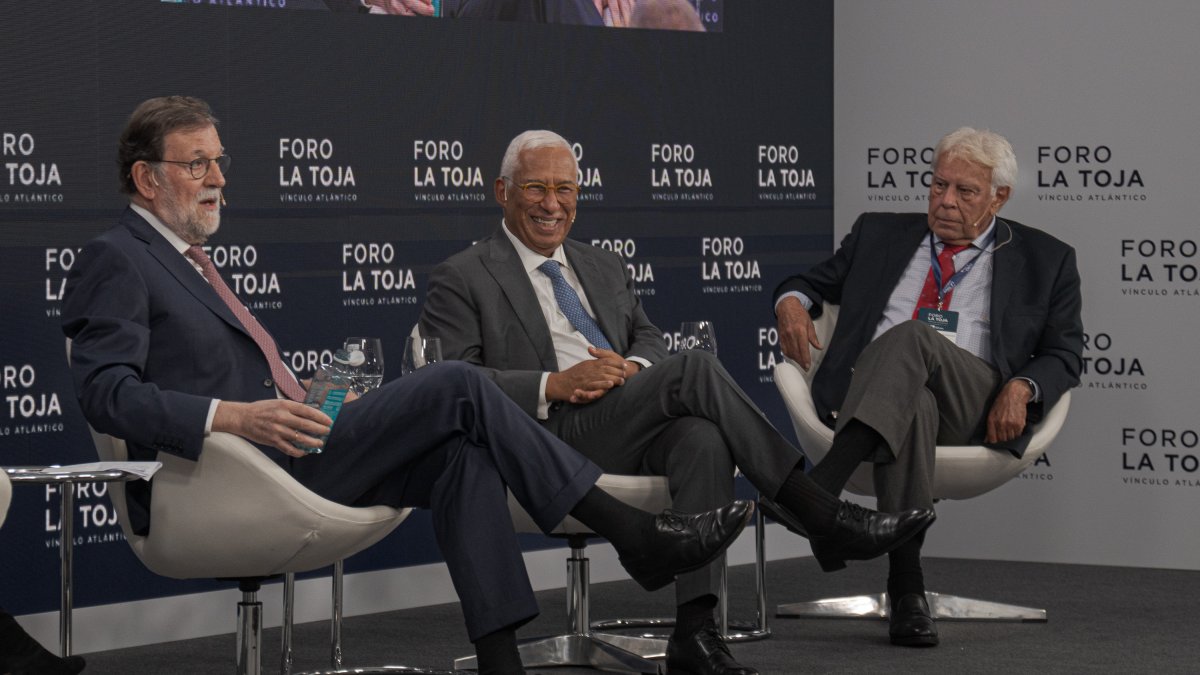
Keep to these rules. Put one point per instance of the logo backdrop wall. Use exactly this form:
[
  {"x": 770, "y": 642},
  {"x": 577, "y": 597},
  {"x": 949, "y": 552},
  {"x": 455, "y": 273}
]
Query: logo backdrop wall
[
  {"x": 364, "y": 151},
  {"x": 1099, "y": 104}
]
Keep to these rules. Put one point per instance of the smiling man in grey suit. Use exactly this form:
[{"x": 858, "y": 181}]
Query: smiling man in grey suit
[
  {"x": 558, "y": 326},
  {"x": 1007, "y": 296}
]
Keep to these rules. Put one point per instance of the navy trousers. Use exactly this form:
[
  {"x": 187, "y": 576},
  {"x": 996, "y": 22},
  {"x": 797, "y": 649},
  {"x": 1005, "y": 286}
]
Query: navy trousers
[{"x": 445, "y": 438}]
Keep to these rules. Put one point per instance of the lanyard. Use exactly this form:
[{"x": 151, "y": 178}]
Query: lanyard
[{"x": 957, "y": 278}]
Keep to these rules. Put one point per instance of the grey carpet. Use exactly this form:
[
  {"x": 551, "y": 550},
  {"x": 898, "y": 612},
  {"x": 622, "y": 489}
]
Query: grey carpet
[{"x": 1101, "y": 620}]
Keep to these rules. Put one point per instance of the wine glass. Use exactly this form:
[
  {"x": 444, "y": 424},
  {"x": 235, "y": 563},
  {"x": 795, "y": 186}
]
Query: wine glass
[
  {"x": 698, "y": 335},
  {"x": 420, "y": 351},
  {"x": 369, "y": 375}
]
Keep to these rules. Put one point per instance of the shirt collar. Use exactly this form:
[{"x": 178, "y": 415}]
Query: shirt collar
[
  {"x": 985, "y": 236},
  {"x": 978, "y": 242},
  {"x": 531, "y": 259},
  {"x": 173, "y": 239}
]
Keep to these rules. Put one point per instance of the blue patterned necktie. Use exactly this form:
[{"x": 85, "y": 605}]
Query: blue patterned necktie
[{"x": 568, "y": 302}]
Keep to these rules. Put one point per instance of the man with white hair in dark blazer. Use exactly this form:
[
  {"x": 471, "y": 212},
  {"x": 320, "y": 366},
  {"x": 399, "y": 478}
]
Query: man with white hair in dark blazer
[{"x": 892, "y": 385}]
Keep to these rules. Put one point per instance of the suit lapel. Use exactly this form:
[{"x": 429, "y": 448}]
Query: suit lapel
[
  {"x": 898, "y": 254},
  {"x": 503, "y": 263},
  {"x": 1007, "y": 263},
  {"x": 178, "y": 266}
]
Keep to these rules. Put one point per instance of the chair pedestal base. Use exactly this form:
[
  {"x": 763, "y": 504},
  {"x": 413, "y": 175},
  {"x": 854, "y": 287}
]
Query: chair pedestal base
[
  {"x": 381, "y": 670},
  {"x": 335, "y": 629},
  {"x": 941, "y": 606},
  {"x": 579, "y": 647},
  {"x": 656, "y": 630},
  {"x": 575, "y": 650},
  {"x": 249, "y": 634}
]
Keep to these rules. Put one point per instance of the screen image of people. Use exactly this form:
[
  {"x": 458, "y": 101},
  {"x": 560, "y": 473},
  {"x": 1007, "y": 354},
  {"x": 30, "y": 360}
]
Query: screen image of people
[{"x": 677, "y": 15}]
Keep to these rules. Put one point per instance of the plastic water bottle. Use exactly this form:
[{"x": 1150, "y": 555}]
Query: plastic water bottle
[{"x": 329, "y": 386}]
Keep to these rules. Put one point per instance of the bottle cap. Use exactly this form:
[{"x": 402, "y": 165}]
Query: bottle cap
[{"x": 352, "y": 358}]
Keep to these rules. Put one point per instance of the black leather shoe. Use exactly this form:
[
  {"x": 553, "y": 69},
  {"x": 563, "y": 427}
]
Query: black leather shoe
[
  {"x": 862, "y": 534},
  {"x": 910, "y": 624},
  {"x": 685, "y": 542},
  {"x": 703, "y": 653},
  {"x": 49, "y": 664},
  {"x": 20, "y": 654},
  {"x": 859, "y": 534}
]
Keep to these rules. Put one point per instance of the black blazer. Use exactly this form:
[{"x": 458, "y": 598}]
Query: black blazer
[{"x": 1037, "y": 331}]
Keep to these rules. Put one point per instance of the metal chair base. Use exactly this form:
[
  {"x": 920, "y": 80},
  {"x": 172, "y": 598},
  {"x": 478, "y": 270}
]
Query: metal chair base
[
  {"x": 575, "y": 650},
  {"x": 944, "y": 607},
  {"x": 382, "y": 669},
  {"x": 656, "y": 629},
  {"x": 579, "y": 647},
  {"x": 335, "y": 637}
]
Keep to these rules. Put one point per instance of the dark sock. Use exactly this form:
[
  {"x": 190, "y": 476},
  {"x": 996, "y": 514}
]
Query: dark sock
[
  {"x": 21, "y": 653},
  {"x": 855, "y": 443},
  {"x": 815, "y": 507},
  {"x": 497, "y": 653},
  {"x": 693, "y": 615},
  {"x": 626, "y": 527},
  {"x": 904, "y": 569}
]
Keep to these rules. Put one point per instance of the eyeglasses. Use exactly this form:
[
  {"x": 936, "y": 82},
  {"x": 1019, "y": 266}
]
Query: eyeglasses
[
  {"x": 199, "y": 167},
  {"x": 536, "y": 191}
]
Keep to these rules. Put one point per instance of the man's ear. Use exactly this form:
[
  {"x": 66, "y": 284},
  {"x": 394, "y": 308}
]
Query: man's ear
[
  {"x": 500, "y": 188},
  {"x": 144, "y": 179},
  {"x": 1002, "y": 194}
]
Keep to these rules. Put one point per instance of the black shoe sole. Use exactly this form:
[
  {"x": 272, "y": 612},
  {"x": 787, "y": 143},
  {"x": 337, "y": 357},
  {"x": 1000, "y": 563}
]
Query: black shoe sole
[
  {"x": 658, "y": 581},
  {"x": 833, "y": 563},
  {"x": 914, "y": 640}
]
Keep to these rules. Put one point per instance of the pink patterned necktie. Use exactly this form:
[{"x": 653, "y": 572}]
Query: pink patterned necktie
[{"x": 282, "y": 376}]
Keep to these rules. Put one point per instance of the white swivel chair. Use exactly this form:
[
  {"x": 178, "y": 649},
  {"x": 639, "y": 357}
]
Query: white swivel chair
[
  {"x": 5, "y": 495},
  {"x": 960, "y": 472},
  {"x": 583, "y": 647},
  {"x": 580, "y": 647},
  {"x": 236, "y": 514}
]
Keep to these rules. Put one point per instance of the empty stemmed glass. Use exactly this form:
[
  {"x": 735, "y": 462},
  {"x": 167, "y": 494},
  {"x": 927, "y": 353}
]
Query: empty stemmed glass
[
  {"x": 698, "y": 335},
  {"x": 419, "y": 352}
]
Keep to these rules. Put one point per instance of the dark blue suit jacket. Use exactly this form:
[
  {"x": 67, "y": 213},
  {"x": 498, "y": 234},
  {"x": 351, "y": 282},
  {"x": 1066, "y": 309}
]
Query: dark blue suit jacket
[
  {"x": 152, "y": 345},
  {"x": 1037, "y": 331}
]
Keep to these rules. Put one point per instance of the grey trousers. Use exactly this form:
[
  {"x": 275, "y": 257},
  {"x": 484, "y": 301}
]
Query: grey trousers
[
  {"x": 684, "y": 417},
  {"x": 917, "y": 390}
]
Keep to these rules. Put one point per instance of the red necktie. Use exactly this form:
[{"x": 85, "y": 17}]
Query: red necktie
[
  {"x": 282, "y": 376},
  {"x": 929, "y": 294}
]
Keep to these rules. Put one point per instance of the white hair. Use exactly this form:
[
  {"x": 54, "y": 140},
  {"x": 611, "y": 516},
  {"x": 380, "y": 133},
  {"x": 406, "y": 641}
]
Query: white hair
[
  {"x": 532, "y": 140},
  {"x": 983, "y": 147}
]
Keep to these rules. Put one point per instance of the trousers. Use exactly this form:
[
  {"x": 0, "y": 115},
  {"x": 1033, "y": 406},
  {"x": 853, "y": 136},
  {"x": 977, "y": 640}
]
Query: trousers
[
  {"x": 686, "y": 418},
  {"x": 917, "y": 390},
  {"x": 445, "y": 438}
]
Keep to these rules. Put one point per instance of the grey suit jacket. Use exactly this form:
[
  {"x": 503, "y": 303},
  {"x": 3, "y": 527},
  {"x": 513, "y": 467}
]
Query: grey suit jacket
[{"x": 481, "y": 304}]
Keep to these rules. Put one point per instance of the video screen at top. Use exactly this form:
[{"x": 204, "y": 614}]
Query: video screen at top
[{"x": 678, "y": 15}]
